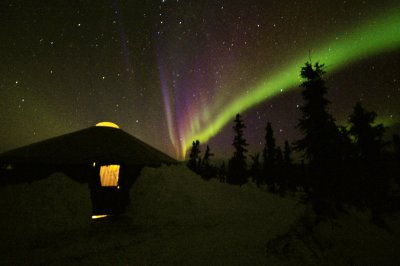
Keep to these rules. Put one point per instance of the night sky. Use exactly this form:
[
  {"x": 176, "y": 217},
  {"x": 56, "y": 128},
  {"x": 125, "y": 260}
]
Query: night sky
[{"x": 172, "y": 71}]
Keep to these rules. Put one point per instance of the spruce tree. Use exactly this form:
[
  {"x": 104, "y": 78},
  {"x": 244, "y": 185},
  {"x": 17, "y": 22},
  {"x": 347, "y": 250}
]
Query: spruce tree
[
  {"x": 373, "y": 182},
  {"x": 269, "y": 149},
  {"x": 288, "y": 174},
  {"x": 237, "y": 165},
  {"x": 320, "y": 142},
  {"x": 269, "y": 157},
  {"x": 255, "y": 170},
  {"x": 368, "y": 138},
  {"x": 194, "y": 157},
  {"x": 287, "y": 153},
  {"x": 280, "y": 171},
  {"x": 278, "y": 156},
  {"x": 206, "y": 158},
  {"x": 317, "y": 125},
  {"x": 222, "y": 173},
  {"x": 207, "y": 171}
]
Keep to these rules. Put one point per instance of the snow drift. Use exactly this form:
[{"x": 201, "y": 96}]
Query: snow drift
[
  {"x": 177, "y": 218},
  {"x": 174, "y": 217}
]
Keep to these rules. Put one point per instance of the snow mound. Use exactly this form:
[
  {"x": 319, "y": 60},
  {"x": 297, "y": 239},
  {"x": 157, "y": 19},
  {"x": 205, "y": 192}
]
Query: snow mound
[
  {"x": 175, "y": 217},
  {"x": 174, "y": 194},
  {"x": 52, "y": 204},
  {"x": 200, "y": 222}
]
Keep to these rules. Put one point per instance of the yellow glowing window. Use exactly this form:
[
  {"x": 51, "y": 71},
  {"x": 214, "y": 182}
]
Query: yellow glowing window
[{"x": 109, "y": 175}]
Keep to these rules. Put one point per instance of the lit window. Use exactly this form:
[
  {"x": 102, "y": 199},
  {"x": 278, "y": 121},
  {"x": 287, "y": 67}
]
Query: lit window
[{"x": 109, "y": 175}]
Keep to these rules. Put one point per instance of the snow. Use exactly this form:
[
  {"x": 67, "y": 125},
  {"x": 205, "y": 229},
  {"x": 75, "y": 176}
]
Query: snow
[{"x": 174, "y": 218}]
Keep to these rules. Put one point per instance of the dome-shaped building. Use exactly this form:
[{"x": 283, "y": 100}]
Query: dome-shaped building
[{"x": 104, "y": 156}]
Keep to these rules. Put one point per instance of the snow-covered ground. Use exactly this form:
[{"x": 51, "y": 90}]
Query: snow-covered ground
[{"x": 176, "y": 218}]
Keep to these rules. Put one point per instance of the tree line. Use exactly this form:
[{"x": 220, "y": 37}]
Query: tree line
[{"x": 341, "y": 165}]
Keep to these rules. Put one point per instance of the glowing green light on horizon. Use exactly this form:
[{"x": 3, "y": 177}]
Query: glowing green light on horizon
[
  {"x": 384, "y": 120},
  {"x": 374, "y": 37}
]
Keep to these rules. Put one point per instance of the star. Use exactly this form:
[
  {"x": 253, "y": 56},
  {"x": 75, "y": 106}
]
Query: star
[{"x": 182, "y": 69}]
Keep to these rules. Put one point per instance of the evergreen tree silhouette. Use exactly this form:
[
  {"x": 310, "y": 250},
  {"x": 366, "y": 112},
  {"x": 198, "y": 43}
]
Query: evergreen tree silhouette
[
  {"x": 207, "y": 155},
  {"x": 269, "y": 149},
  {"x": 280, "y": 172},
  {"x": 237, "y": 167},
  {"x": 255, "y": 170},
  {"x": 287, "y": 154},
  {"x": 368, "y": 138},
  {"x": 194, "y": 157},
  {"x": 207, "y": 171},
  {"x": 317, "y": 125},
  {"x": 320, "y": 139},
  {"x": 346, "y": 143},
  {"x": 278, "y": 156},
  {"x": 269, "y": 156},
  {"x": 348, "y": 178},
  {"x": 289, "y": 178},
  {"x": 368, "y": 142},
  {"x": 222, "y": 173}
]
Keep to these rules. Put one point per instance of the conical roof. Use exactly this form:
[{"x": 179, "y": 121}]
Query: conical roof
[{"x": 101, "y": 144}]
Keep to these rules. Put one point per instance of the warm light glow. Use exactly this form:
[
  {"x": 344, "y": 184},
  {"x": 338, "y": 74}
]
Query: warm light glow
[
  {"x": 99, "y": 216},
  {"x": 109, "y": 175},
  {"x": 94, "y": 164},
  {"x": 107, "y": 124}
]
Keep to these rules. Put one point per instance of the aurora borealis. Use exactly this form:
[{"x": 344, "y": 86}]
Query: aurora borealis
[
  {"x": 383, "y": 35},
  {"x": 170, "y": 72}
]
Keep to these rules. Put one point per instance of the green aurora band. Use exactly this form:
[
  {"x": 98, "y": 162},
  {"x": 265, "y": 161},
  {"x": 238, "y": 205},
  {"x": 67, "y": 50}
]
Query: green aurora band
[{"x": 378, "y": 35}]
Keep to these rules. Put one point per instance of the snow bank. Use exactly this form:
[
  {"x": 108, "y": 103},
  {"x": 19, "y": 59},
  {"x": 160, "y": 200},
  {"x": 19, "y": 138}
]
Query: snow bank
[
  {"x": 174, "y": 218},
  {"x": 53, "y": 204},
  {"x": 351, "y": 239},
  {"x": 203, "y": 222},
  {"x": 38, "y": 215},
  {"x": 177, "y": 218}
]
